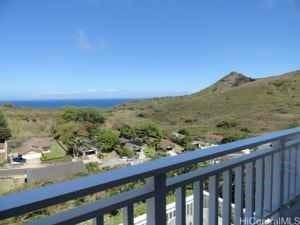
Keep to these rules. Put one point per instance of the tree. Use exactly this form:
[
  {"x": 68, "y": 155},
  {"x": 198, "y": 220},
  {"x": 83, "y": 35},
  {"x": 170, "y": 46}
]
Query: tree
[
  {"x": 69, "y": 133},
  {"x": 5, "y": 132},
  {"x": 3, "y": 122},
  {"x": 82, "y": 115},
  {"x": 106, "y": 139},
  {"x": 8, "y": 105},
  {"x": 184, "y": 131},
  {"x": 150, "y": 152},
  {"x": 149, "y": 130},
  {"x": 127, "y": 132},
  {"x": 125, "y": 152}
]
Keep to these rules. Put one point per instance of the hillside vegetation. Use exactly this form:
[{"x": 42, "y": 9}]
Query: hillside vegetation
[
  {"x": 234, "y": 107},
  {"x": 27, "y": 122}
]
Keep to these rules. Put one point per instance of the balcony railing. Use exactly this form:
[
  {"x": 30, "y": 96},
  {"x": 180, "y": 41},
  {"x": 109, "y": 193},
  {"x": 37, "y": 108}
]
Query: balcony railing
[{"x": 256, "y": 185}]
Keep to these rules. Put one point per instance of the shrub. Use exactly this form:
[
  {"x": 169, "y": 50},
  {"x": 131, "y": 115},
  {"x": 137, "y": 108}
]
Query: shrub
[
  {"x": 3, "y": 122},
  {"x": 245, "y": 129},
  {"x": 92, "y": 167},
  {"x": 293, "y": 124},
  {"x": 5, "y": 132},
  {"x": 226, "y": 124},
  {"x": 231, "y": 138},
  {"x": 188, "y": 146},
  {"x": 127, "y": 132},
  {"x": 141, "y": 115},
  {"x": 8, "y": 105},
  {"x": 66, "y": 132},
  {"x": 83, "y": 115},
  {"x": 150, "y": 152},
  {"x": 125, "y": 152},
  {"x": 149, "y": 130},
  {"x": 184, "y": 131},
  {"x": 106, "y": 139}
]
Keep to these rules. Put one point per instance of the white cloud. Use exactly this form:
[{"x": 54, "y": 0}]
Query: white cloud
[
  {"x": 92, "y": 90},
  {"x": 111, "y": 90},
  {"x": 83, "y": 40},
  {"x": 62, "y": 93}
]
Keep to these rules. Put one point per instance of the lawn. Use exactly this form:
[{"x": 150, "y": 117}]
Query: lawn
[{"x": 56, "y": 152}]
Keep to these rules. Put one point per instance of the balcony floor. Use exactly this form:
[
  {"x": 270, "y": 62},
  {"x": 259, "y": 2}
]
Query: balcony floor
[{"x": 291, "y": 212}]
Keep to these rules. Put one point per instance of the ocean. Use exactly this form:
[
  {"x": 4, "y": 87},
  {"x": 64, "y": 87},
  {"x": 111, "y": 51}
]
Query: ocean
[{"x": 98, "y": 103}]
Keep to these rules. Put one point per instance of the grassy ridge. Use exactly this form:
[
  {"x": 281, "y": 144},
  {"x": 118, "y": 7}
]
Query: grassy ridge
[
  {"x": 254, "y": 107},
  {"x": 235, "y": 106}
]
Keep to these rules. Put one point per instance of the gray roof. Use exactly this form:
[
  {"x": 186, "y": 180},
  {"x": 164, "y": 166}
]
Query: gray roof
[{"x": 132, "y": 146}]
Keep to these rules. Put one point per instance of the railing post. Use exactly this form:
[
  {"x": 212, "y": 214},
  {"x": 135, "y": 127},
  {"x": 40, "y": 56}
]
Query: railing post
[
  {"x": 99, "y": 220},
  {"x": 156, "y": 206},
  {"x": 128, "y": 215},
  {"x": 198, "y": 202},
  {"x": 238, "y": 195},
  {"x": 268, "y": 185},
  {"x": 298, "y": 170},
  {"x": 259, "y": 188},
  {"x": 249, "y": 192},
  {"x": 277, "y": 175},
  {"x": 213, "y": 200},
  {"x": 227, "y": 197},
  {"x": 280, "y": 144},
  {"x": 180, "y": 206}
]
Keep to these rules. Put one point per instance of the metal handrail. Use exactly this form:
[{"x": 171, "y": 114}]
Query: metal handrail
[{"x": 27, "y": 201}]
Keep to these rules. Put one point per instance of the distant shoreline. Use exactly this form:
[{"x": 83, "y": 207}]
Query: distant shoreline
[{"x": 62, "y": 103}]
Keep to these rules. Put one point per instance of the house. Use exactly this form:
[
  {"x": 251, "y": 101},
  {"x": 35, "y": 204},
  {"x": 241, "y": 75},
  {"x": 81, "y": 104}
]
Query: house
[
  {"x": 133, "y": 147},
  {"x": 166, "y": 145},
  {"x": 30, "y": 151},
  {"x": 86, "y": 151},
  {"x": 124, "y": 141},
  {"x": 37, "y": 144},
  {"x": 32, "y": 157},
  {"x": 178, "y": 136}
]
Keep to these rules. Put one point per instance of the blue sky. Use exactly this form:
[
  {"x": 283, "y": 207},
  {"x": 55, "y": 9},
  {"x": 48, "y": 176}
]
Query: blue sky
[{"x": 140, "y": 48}]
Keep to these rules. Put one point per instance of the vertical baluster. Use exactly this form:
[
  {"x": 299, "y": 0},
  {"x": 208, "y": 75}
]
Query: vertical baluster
[
  {"x": 198, "y": 202},
  {"x": 99, "y": 220},
  {"x": 282, "y": 170},
  {"x": 227, "y": 192},
  {"x": 286, "y": 181},
  {"x": 268, "y": 185},
  {"x": 213, "y": 200},
  {"x": 156, "y": 206},
  {"x": 238, "y": 195},
  {"x": 298, "y": 170},
  {"x": 292, "y": 173},
  {"x": 259, "y": 188},
  {"x": 128, "y": 214},
  {"x": 249, "y": 192},
  {"x": 276, "y": 181},
  {"x": 295, "y": 171},
  {"x": 180, "y": 206}
]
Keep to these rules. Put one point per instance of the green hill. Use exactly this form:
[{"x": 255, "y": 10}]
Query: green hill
[{"x": 235, "y": 106}]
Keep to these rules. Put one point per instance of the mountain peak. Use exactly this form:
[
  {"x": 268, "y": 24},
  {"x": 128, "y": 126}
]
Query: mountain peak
[{"x": 233, "y": 79}]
